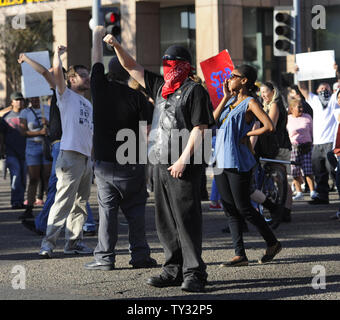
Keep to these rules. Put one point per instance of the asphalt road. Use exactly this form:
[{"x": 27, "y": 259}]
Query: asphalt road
[{"x": 308, "y": 267}]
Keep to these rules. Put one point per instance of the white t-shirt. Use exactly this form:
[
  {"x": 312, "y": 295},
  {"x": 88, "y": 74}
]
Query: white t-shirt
[
  {"x": 324, "y": 123},
  {"x": 76, "y": 114}
]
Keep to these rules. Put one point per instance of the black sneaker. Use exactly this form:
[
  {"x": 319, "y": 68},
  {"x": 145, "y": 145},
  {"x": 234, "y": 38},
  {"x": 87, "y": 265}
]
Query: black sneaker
[
  {"x": 148, "y": 263},
  {"x": 193, "y": 284},
  {"x": 30, "y": 225},
  {"x": 96, "y": 265},
  {"x": 270, "y": 253},
  {"x": 164, "y": 280}
]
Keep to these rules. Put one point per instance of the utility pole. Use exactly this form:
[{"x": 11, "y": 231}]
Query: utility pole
[
  {"x": 95, "y": 21},
  {"x": 96, "y": 6},
  {"x": 297, "y": 26}
]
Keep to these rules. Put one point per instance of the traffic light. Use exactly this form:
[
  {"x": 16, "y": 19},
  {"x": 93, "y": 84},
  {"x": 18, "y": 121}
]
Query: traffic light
[
  {"x": 284, "y": 31},
  {"x": 112, "y": 25}
]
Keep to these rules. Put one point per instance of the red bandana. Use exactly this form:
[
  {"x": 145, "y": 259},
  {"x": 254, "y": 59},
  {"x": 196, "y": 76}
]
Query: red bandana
[{"x": 175, "y": 72}]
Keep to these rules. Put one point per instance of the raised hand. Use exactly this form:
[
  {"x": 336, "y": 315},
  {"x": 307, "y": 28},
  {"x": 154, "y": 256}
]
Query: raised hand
[
  {"x": 61, "y": 50},
  {"x": 21, "y": 58},
  {"x": 110, "y": 40}
]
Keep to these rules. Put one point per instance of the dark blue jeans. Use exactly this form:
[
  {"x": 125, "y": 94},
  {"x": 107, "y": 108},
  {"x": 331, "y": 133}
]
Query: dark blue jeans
[
  {"x": 121, "y": 186},
  {"x": 42, "y": 217}
]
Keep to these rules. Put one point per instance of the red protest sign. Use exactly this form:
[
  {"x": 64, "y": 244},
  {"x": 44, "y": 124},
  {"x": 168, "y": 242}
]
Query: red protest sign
[{"x": 215, "y": 70}]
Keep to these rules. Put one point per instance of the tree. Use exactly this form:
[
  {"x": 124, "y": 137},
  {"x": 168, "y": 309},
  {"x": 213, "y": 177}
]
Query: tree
[{"x": 36, "y": 36}]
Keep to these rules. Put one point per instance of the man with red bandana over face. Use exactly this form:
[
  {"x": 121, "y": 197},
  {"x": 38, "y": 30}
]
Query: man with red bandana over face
[{"x": 180, "y": 104}]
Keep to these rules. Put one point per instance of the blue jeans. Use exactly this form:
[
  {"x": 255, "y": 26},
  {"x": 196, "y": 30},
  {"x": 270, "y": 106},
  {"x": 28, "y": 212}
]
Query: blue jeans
[
  {"x": 18, "y": 172},
  {"x": 42, "y": 217}
]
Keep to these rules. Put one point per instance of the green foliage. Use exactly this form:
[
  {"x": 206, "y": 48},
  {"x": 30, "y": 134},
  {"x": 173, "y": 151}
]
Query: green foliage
[{"x": 36, "y": 36}]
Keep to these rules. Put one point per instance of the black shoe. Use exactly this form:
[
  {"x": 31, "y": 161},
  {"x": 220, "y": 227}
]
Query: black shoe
[
  {"x": 236, "y": 262},
  {"x": 96, "y": 265},
  {"x": 148, "y": 263},
  {"x": 193, "y": 284},
  {"x": 277, "y": 216},
  {"x": 27, "y": 214},
  {"x": 318, "y": 201},
  {"x": 163, "y": 281},
  {"x": 270, "y": 253},
  {"x": 30, "y": 225}
]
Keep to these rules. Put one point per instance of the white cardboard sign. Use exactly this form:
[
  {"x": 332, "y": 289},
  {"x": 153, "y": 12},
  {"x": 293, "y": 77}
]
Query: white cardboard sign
[
  {"x": 33, "y": 84},
  {"x": 315, "y": 65}
]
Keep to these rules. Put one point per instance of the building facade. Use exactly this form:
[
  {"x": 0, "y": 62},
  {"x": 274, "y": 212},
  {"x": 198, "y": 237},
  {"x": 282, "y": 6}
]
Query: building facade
[{"x": 205, "y": 27}]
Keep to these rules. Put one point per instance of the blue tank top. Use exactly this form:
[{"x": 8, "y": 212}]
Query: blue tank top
[{"x": 230, "y": 153}]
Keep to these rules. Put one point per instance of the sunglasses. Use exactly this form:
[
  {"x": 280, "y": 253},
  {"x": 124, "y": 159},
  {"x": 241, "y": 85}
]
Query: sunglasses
[
  {"x": 233, "y": 76},
  {"x": 170, "y": 57}
]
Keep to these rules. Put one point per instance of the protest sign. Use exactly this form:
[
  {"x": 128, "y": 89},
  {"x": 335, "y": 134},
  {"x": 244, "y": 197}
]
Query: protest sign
[
  {"x": 215, "y": 70},
  {"x": 33, "y": 84},
  {"x": 315, "y": 65}
]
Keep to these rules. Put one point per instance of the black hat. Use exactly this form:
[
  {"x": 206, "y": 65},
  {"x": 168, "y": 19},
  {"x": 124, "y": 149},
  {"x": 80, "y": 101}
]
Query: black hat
[
  {"x": 116, "y": 71},
  {"x": 16, "y": 95},
  {"x": 176, "y": 52}
]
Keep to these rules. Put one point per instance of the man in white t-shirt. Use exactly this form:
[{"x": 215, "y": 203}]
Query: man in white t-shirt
[
  {"x": 324, "y": 124},
  {"x": 73, "y": 166}
]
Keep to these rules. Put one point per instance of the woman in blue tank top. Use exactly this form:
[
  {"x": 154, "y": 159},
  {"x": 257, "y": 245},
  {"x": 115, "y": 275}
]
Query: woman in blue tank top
[{"x": 235, "y": 118}]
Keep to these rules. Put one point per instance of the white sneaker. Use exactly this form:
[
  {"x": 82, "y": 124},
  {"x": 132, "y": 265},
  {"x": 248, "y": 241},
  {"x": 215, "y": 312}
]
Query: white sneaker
[
  {"x": 45, "y": 252},
  {"x": 299, "y": 196},
  {"x": 80, "y": 248},
  {"x": 313, "y": 194}
]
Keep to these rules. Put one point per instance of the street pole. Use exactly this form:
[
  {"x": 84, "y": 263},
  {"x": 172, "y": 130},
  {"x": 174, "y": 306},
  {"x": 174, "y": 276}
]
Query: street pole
[
  {"x": 297, "y": 26},
  {"x": 96, "y": 6}
]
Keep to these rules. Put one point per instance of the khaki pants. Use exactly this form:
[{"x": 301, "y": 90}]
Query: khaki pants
[{"x": 74, "y": 173}]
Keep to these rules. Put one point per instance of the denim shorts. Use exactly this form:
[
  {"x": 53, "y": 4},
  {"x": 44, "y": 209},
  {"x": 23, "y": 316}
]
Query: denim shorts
[{"x": 35, "y": 154}]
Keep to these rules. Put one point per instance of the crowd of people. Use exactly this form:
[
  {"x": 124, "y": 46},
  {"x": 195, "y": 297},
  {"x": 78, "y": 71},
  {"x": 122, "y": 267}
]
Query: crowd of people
[{"x": 83, "y": 134}]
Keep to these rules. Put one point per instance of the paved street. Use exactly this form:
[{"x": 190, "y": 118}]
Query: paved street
[{"x": 310, "y": 249}]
